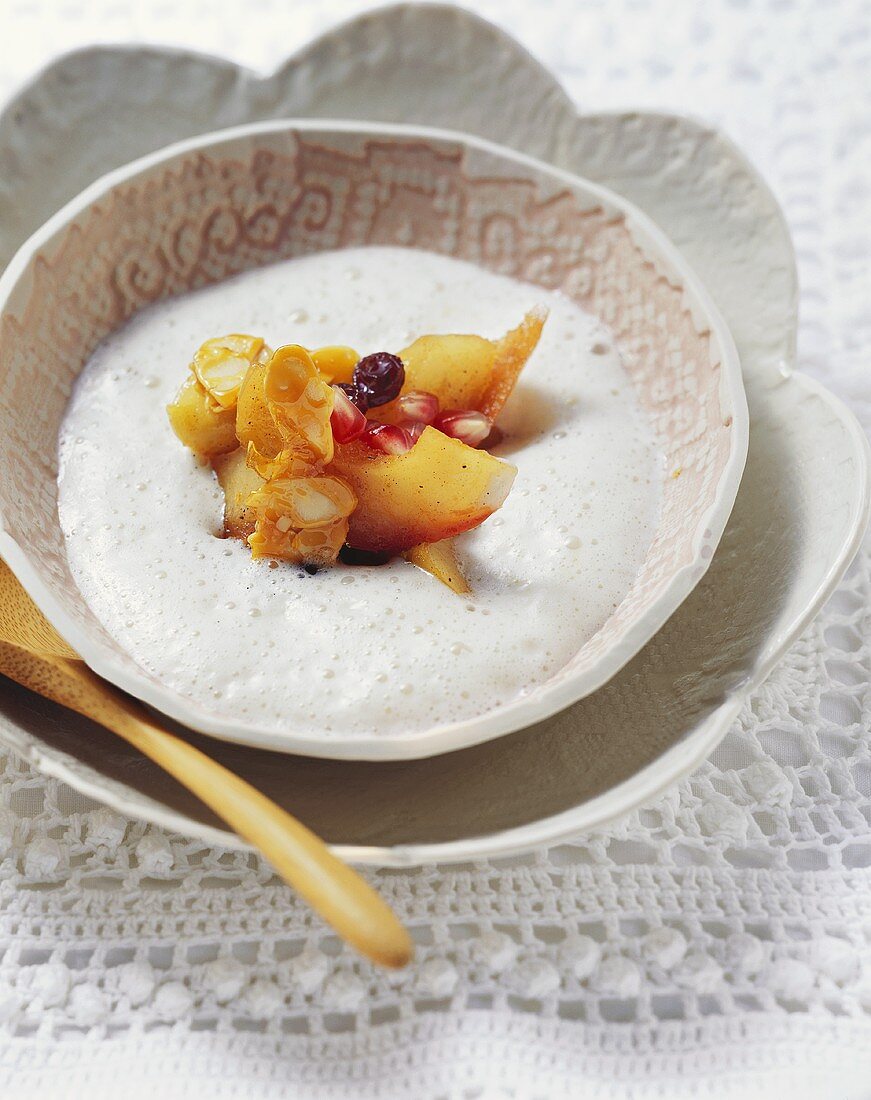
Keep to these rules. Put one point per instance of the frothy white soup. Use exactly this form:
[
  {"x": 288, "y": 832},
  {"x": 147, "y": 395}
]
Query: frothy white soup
[{"x": 357, "y": 651}]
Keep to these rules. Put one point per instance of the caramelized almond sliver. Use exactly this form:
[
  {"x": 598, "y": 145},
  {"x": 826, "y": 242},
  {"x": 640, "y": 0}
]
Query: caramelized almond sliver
[
  {"x": 307, "y": 502},
  {"x": 321, "y": 545},
  {"x": 220, "y": 365},
  {"x": 291, "y": 462},
  {"x": 300, "y": 402}
]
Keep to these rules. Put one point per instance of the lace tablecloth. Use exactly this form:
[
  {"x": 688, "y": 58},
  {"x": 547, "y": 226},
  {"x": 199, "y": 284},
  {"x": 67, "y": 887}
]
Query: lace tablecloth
[{"x": 716, "y": 943}]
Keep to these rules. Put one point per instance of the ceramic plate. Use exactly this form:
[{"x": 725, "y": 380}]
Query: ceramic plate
[{"x": 798, "y": 516}]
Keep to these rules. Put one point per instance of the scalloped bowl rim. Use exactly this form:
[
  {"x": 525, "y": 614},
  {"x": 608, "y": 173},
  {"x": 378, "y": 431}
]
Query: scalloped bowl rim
[{"x": 549, "y": 698}]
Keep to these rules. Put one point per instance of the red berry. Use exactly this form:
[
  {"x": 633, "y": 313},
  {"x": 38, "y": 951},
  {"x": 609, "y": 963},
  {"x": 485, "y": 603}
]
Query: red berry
[
  {"x": 415, "y": 429},
  {"x": 346, "y": 420},
  {"x": 389, "y": 438},
  {"x": 467, "y": 425},
  {"x": 380, "y": 376},
  {"x": 354, "y": 394},
  {"x": 418, "y": 405}
]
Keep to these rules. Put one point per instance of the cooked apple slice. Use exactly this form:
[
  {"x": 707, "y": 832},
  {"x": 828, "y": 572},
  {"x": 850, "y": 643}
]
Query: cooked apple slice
[
  {"x": 512, "y": 353},
  {"x": 238, "y": 481},
  {"x": 199, "y": 423},
  {"x": 336, "y": 362},
  {"x": 457, "y": 369},
  {"x": 440, "y": 559},
  {"x": 436, "y": 490},
  {"x": 468, "y": 372}
]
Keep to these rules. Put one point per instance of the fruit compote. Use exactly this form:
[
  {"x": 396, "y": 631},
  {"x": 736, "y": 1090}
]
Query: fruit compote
[{"x": 332, "y": 449}]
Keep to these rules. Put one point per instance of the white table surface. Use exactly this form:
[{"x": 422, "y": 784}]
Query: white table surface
[{"x": 714, "y": 944}]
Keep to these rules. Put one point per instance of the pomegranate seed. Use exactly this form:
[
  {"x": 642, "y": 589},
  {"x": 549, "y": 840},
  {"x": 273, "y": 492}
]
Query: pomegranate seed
[
  {"x": 346, "y": 420},
  {"x": 415, "y": 429},
  {"x": 467, "y": 425},
  {"x": 389, "y": 438},
  {"x": 380, "y": 376},
  {"x": 420, "y": 406}
]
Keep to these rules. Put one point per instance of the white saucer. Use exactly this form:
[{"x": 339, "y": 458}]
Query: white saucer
[{"x": 798, "y": 518}]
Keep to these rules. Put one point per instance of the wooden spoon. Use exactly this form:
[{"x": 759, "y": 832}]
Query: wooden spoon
[{"x": 35, "y": 655}]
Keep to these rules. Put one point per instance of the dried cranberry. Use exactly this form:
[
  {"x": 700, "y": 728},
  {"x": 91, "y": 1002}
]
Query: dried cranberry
[
  {"x": 354, "y": 394},
  {"x": 380, "y": 376}
]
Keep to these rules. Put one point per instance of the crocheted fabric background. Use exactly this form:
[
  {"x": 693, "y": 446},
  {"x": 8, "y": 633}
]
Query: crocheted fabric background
[{"x": 716, "y": 943}]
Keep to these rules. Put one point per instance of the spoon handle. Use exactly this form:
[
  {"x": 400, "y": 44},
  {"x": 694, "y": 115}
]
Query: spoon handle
[{"x": 330, "y": 886}]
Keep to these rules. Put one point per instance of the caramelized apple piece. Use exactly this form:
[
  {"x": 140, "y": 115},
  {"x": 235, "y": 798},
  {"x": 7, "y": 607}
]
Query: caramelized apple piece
[
  {"x": 199, "y": 423},
  {"x": 336, "y": 362},
  {"x": 440, "y": 559},
  {"x": 437, "y": 489},
  {"x": 238, "y": 481},
  {"x": 512, "y": 354},
  {"x": 468, "y": 372},
  {"x": 457, "y": 369}
]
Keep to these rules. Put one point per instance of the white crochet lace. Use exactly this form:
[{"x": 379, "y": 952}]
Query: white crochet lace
[{"x": 716, "y": 943}]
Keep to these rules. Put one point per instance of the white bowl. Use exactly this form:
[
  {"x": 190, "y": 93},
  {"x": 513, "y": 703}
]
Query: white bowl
[{"x": 208, "y": 208}]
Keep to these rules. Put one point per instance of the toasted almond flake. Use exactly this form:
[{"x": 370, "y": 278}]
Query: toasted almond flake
[{"x": 220, "y": 365}]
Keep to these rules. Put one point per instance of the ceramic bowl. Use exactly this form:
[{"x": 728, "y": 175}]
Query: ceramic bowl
[{"x": 209, "y": 208}]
